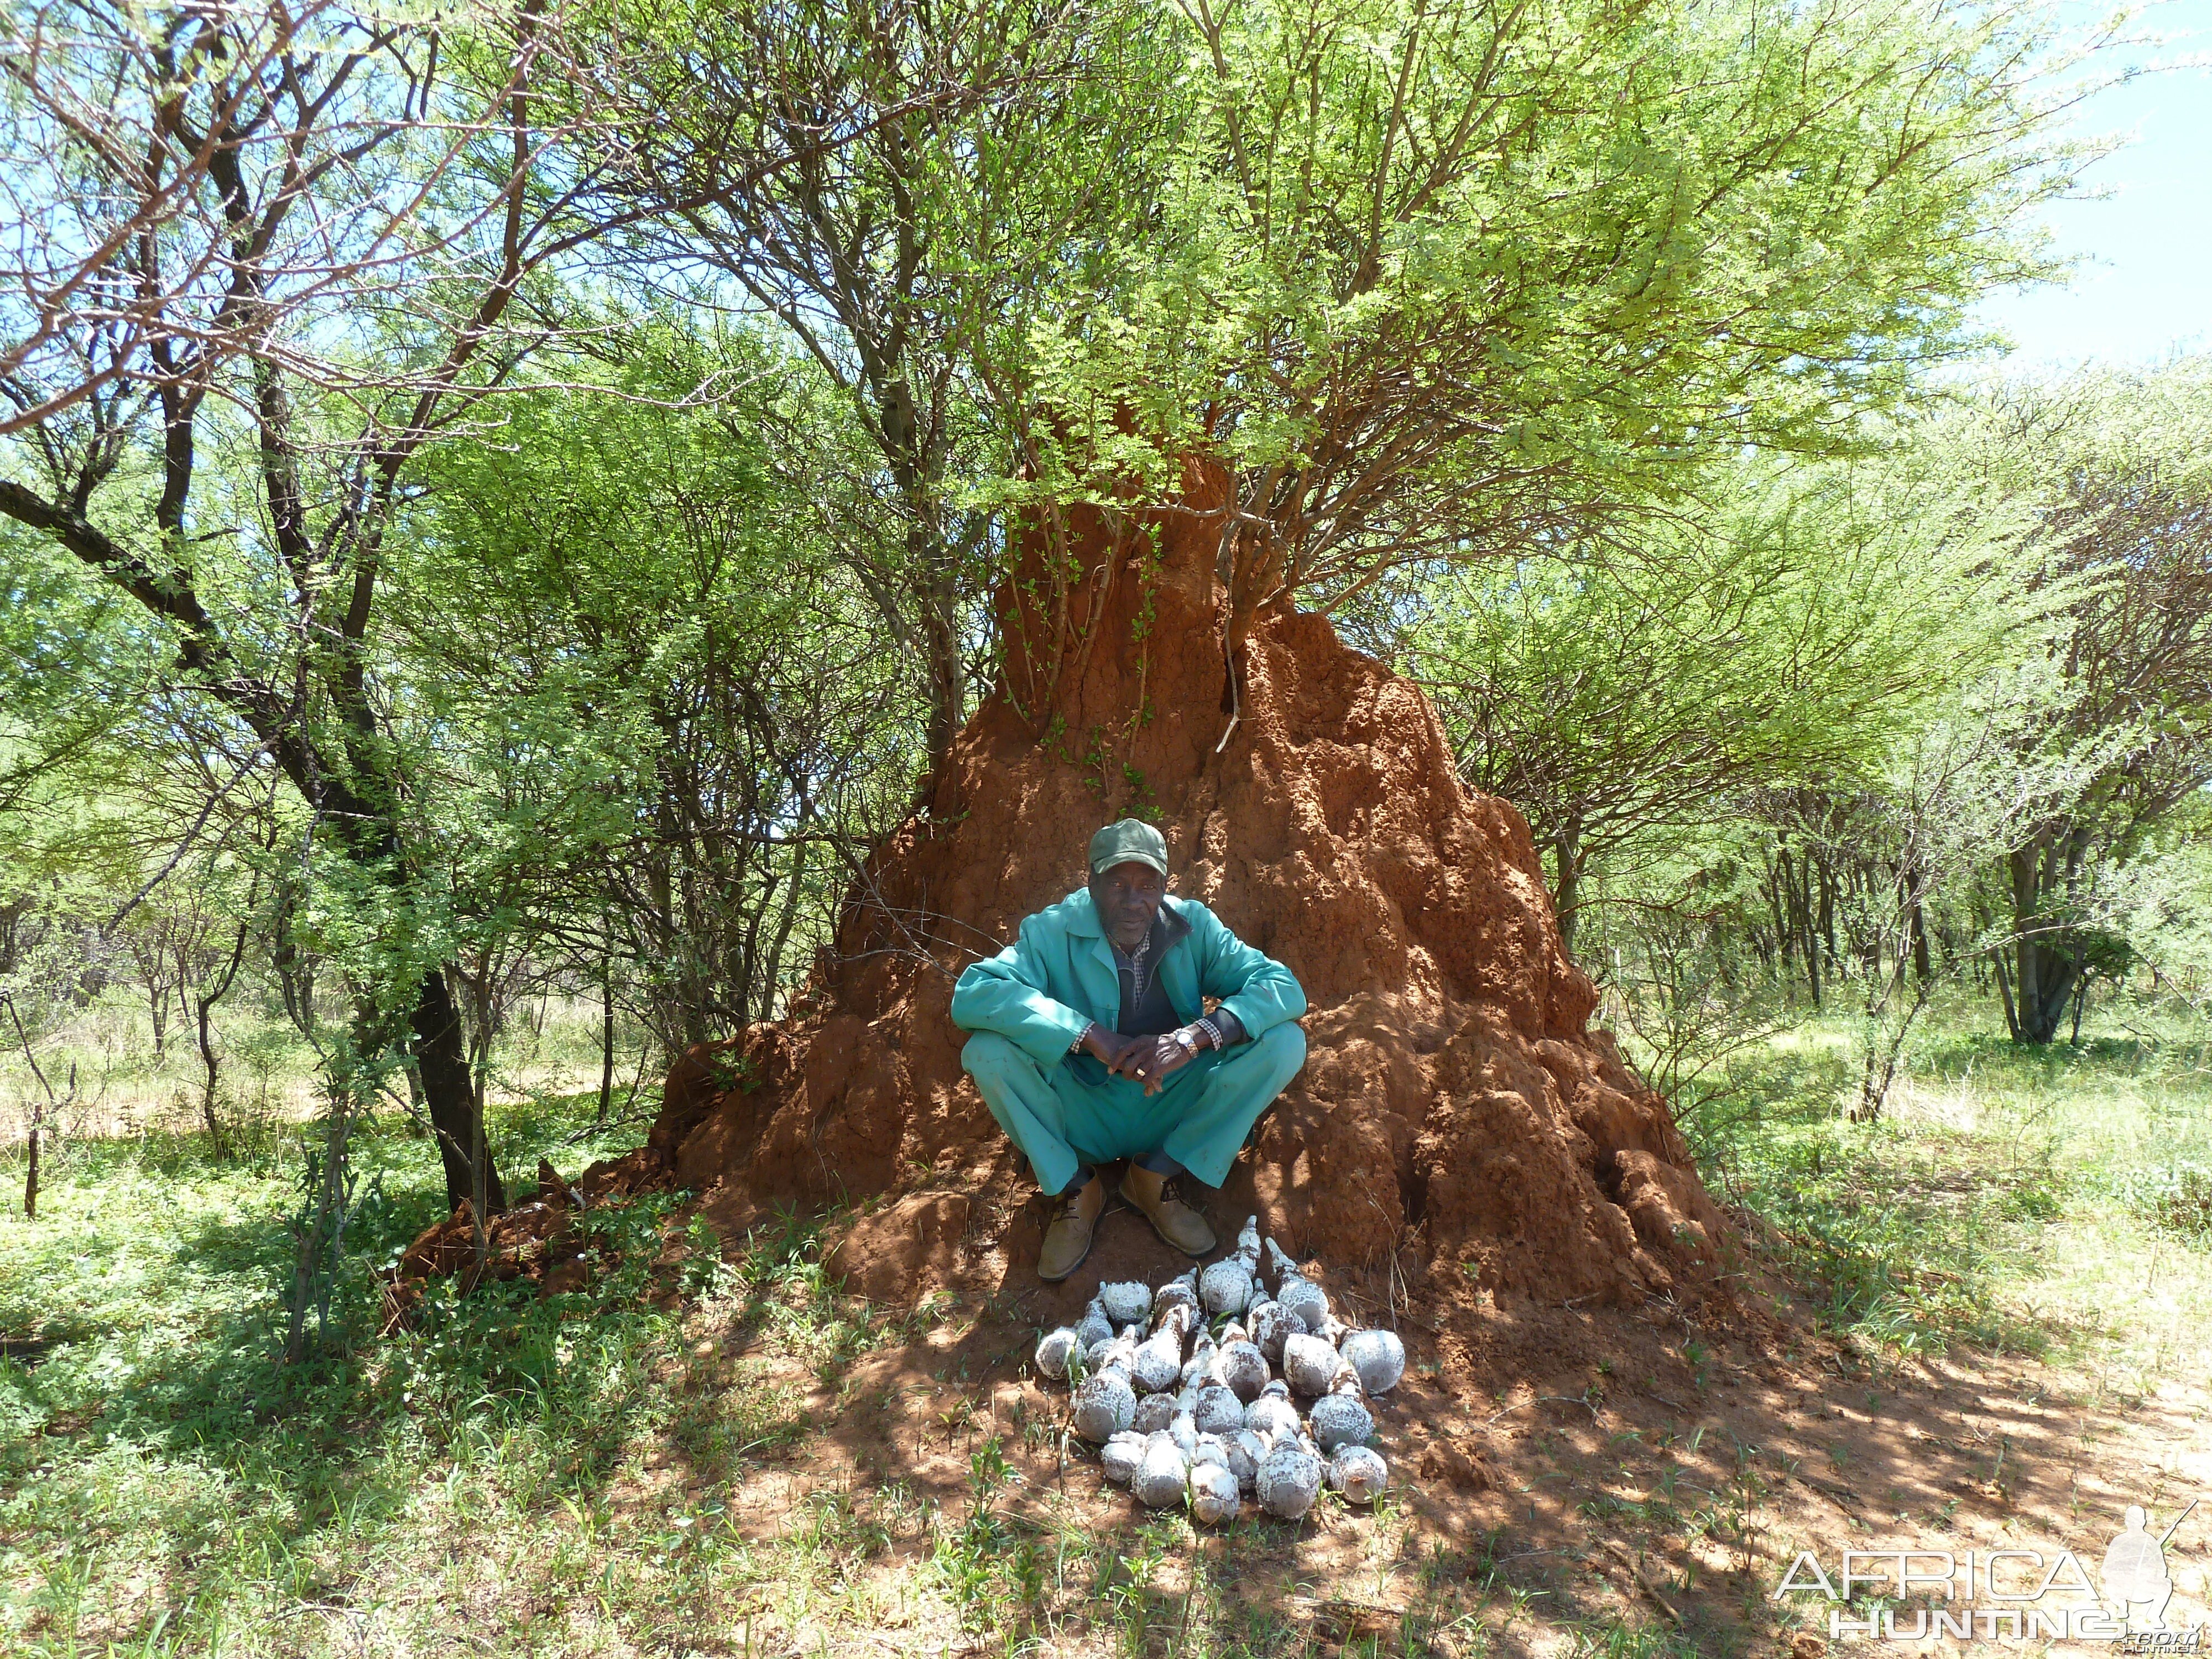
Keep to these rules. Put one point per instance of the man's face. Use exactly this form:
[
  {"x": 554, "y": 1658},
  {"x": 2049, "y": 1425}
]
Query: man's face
[{"x": 1128, "y": 896}]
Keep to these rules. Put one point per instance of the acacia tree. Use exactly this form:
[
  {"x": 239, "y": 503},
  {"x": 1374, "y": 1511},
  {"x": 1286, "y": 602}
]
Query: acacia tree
[
  {"x": 2116, "y": 464},
  {"x": 1780, "y": 634},
  {"x": 1441, "y": 284},
  {"x": 375, "y": 192},
  {"x": 985, "y": 143},
  {"x": 684, "y": 694}
]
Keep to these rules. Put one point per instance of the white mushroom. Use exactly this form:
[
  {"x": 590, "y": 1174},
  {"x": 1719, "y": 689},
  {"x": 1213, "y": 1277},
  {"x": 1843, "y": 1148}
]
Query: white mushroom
[
  {"x": 1198, "y": 1368},
  {"x": 1119, "y": 1457},
  {"x": 1054, "y": 1350},
  {"x": 1213, "y": 1493},
  {"x": 1094, "y": 1326},
  {"x": 1227, "y": 1287},
  {"x": 1288, "y": 1480},
  {"x": 1269, "y": 1325},
  {"x": 1272, "y": 1415},
  {"x": 1121, "y": 1350},
  {"x": 1127, "y": 1302},
  {"x": 1217, "y": 1410},
  {"x": 1104, "y": 1405},
  {"x": 1341, "y": 1419},
  {"x": 1181, "y": 1292},
  {"x": 1245, "y": 1450},
  {"x": 1159, "y": 1361},
  {"x": 1241, "y": 1366},
  {"x": 1309, "y": 1365},
  {"x": 1153, "y": 1414},
  {"x": 1358, "y": 1473},
  {"x": 1378, "y": 1357},
  {"x": 1296, "y": 1293},
  {"x": 1161, "y": 1474},
  {"x": 1183, "y": 1431}
]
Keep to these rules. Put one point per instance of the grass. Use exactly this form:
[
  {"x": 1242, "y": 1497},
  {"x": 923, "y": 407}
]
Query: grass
[
  {"x": 572, "y": 1476},
  {"x": 2055, "y": 1202}
]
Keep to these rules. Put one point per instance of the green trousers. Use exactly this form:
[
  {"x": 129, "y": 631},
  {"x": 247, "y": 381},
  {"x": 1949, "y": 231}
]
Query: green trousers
[{"x": 1078, "y": 1112}]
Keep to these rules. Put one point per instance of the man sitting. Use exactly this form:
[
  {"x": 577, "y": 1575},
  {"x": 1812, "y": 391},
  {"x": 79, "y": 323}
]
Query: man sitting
[{"x": 1092, "y": 1043}]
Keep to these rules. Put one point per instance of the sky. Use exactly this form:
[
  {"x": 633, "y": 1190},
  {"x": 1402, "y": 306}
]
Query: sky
[{"x": 2143, "y": 287}]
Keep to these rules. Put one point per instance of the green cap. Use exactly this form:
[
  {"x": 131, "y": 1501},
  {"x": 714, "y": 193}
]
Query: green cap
[{"x": 1130, "y": 841}]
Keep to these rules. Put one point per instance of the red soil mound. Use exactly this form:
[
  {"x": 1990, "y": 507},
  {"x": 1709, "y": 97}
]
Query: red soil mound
[{"x": 1455, "y": 1114}]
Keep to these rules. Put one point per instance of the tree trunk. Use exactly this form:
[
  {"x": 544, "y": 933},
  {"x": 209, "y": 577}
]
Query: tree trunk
[
  {"x": 1567, "y": 853},
  {"x": 441, "y": 1056},
  {"x": 213, "y": 1070},
  {"x": 2004, "y": 993},
  {"x": 948, "y": 687},
  {"x": 606, "y": 1038},
  {"x": 2045, "y": 972},
  {"x": 2045, "y": 990},
  {"x": 31, "y": 1173}
]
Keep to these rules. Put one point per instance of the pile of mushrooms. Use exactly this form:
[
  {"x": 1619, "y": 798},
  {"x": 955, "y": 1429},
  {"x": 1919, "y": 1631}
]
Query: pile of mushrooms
[{"x": 1195, "y": 1400}]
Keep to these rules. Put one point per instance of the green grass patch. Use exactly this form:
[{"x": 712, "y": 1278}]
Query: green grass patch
[{"x": 2008, "y": 1196}]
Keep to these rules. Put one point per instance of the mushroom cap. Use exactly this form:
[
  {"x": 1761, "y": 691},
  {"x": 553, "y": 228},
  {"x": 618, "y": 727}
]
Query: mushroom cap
[
  {"x": 1288, "y": 1480},
  {"x": 1268, "y": 1325},
  {"x": 1126, "y": 1301},
  {"x": 1153, "y": 1414},
  {"x": 1303, "y": 1297},
  {"x": 1054, "y": 1350},
  {"x": 1243, "y": 1368},
  {"x": 1309, "y": 1365},
  {"x": 1378, "y": 1357},
  {"x": 1161, "y": 1474},
  {"x": 1201, "y": 1358},
  {"x": 1120, "y": 1456},
  {"x": 1214, "y": 1496},
  {"x": 1272, "y": 1413},
  {"x": 1245, "y": 1452},
  {"x": 1104, "y": 1406},
  {"x": 1225, "y": 1286},
  {"x": 1094, "y": 1326},
  {"x": 1158, "y": 1363},
  {"x": 1183, "y": 1431},
  {"x": 1178, "y": 1292},
  {"x": 1217, "y": 1411},
  {"x": 1339, "y": 1420},
  {"x": 1359, "y": 1474},
  {"x": 1118, "y": 1351}
]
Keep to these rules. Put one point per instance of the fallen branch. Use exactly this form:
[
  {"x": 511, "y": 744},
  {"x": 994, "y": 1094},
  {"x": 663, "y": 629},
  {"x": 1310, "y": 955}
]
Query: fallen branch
[{"x": 1644, "y": 1581}]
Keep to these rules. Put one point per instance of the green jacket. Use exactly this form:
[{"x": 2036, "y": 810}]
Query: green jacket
[{"x": 1059, "y": 976}]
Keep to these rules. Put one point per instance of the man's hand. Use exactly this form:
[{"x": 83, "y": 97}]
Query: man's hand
[
  {"x": 1104, "y": 1046},
  {"x": 1150, "y": 1059}
]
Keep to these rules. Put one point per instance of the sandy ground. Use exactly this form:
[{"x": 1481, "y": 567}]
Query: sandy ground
[{"x": 1670, "y": 1485}]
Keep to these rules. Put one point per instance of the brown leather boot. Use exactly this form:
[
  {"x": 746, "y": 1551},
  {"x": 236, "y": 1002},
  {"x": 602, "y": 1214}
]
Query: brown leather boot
[
  {"x": 1068, "y": 1236},
  {"x": 1157, "y": 1196}
]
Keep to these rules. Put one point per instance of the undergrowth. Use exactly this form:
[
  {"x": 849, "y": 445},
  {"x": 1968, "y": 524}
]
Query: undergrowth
[
  {"x": 2005, "y": 1199},
  {"x": 520, "y": 1475}
]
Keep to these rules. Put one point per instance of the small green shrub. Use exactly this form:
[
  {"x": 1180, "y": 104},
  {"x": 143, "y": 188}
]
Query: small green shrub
[{"x": 2176, "y": 1198}]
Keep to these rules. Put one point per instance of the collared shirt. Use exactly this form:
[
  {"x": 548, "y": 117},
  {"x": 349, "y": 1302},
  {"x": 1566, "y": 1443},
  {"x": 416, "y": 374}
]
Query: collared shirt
[
  {"x": 1145, "y": 1009},
  {"x": 1058, "y": 976}
]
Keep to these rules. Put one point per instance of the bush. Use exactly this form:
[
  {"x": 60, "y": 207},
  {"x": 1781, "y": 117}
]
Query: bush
[{"x": 2177, "y": 1199}]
